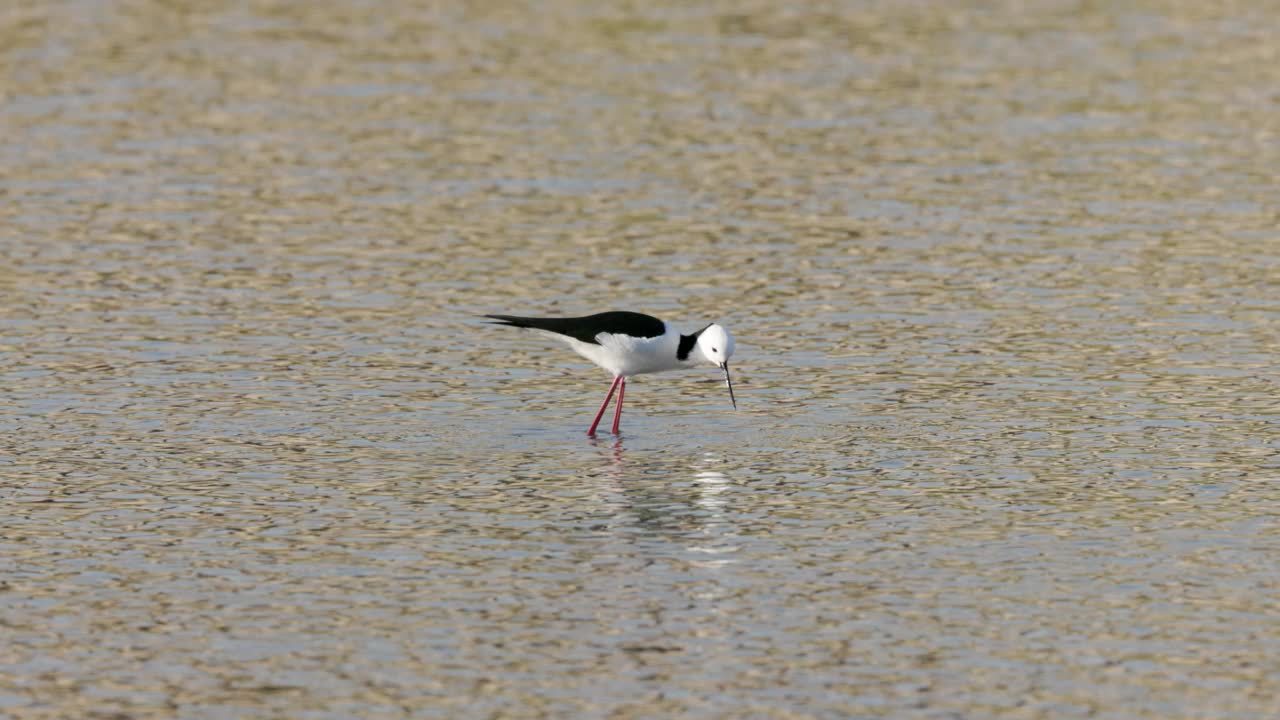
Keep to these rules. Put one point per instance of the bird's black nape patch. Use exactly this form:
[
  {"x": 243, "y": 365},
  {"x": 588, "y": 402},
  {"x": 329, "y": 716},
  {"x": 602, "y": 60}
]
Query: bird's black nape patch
[
  {"x": 585, "y": 329},
  {"x": 686, "y": 344}
]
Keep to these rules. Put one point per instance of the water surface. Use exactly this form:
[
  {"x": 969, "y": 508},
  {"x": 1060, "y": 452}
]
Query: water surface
[{"x": 1003, "y": 279}]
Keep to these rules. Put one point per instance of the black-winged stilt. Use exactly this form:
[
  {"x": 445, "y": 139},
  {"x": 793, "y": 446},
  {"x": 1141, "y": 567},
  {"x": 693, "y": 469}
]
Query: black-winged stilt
[{"x": 631, "y": 343}]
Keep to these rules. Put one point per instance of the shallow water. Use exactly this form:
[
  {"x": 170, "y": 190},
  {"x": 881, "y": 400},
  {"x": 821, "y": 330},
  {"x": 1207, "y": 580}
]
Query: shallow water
[{"x": 1004, "y": 285}]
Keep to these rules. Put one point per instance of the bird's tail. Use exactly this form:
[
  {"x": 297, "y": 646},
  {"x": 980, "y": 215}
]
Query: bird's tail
[
  {"x": 567, "y": 327},
  {"x": 515, "y": 321}
]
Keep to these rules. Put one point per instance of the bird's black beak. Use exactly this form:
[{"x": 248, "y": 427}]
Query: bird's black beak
[{"x": 727, "y": 381}]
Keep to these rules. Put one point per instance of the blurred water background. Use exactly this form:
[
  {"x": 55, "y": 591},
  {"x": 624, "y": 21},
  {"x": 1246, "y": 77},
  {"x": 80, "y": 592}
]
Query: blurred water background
[{"x": 1004, "y": 279}]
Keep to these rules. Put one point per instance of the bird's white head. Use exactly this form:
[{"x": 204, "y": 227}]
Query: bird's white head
[{"x": 716, "y": 345}]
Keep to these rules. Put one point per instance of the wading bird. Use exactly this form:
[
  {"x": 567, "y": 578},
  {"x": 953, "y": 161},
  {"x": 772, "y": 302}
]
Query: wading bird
[{"x": 631, "y": 343}]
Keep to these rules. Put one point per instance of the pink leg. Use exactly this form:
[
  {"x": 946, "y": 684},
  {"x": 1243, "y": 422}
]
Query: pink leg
[
  {"x": 604, "y": 405},
  {"x": 617, "y": 409}
]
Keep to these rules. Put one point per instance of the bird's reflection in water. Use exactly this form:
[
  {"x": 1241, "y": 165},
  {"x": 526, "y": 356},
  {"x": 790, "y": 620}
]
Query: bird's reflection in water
[
  {"x": 674, "y": 534},
  {"x": 665, "y": 499},
  {"x": 718, "y": 531},
  {"x": 610, "y": 449}
]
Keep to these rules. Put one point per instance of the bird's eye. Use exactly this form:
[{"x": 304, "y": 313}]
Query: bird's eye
[{"x": 715, "y": 349}]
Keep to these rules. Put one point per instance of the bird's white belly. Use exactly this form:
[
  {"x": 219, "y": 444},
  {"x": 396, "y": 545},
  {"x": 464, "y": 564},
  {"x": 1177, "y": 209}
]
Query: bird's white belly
[{"x": 623, "y": 355}]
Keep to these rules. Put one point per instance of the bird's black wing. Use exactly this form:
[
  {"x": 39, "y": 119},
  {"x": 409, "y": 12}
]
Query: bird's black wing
[{"x": 585, "y": 329}]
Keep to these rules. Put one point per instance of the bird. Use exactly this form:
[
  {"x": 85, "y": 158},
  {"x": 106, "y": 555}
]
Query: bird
[{"x": 630, "y": 343}]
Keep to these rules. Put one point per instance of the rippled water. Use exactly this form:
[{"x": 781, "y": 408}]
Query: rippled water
[{"x": 1004, "y": 283}]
